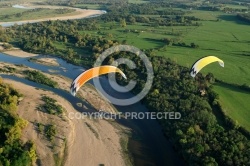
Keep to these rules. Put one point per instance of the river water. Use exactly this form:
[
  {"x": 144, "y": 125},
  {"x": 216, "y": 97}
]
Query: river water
[{"x": 147, "y": 145}]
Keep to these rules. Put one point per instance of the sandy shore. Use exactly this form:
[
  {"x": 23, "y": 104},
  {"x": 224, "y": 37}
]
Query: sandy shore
[
  {"x": 88, "y": 142},
  {"x": 23, "y": 54},
  {"x": 19, "y": 53},
  {"x": 14, "y": 51},
  {"x": 46, "y": 61},
  {"x": 1, "y": 46},
  {"x": 79, "y": 13}
]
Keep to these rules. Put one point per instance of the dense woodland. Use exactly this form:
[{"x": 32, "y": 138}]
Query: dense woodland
[
  {"x": 13, "y": 152},
  {"x": 199, "y": 136}
]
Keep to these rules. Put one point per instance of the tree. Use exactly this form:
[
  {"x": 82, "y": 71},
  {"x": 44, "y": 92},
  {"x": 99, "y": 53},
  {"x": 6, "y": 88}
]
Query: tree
[
  {"x": 192, "y": 45},
  {"x": 123, "y": 23},
  {"x": 132, "y": 20}
]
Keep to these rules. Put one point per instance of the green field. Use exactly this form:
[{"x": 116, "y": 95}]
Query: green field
[
  {"x": 10, "y": 11},
  {"x": 141, "y": 36},
  {"x": 226, "y": 39},
  {"x": 236, "y": 6},
  {"x": 235, "y": 103}
]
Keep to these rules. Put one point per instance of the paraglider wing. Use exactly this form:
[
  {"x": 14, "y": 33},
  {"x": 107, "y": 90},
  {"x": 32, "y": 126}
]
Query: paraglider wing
[
  {"x": 198, "y": 65},
  {"x": 91, "y": 73}
]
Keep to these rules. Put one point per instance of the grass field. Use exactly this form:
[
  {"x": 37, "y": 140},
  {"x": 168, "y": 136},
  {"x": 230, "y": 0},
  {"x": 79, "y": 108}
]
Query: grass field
[
  {"x": 235, "y": 103},
  {"x": 236, "y": 6},
  {"x": 227, "y": 39},
  {"x": 10, "y": 11},
  {"x": 139, "y": 35}
]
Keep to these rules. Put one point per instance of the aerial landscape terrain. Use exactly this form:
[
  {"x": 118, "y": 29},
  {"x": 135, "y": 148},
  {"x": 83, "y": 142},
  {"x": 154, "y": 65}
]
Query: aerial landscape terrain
[{"x": 53, "y": 112}]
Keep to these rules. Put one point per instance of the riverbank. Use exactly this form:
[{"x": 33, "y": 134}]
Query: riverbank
[
  {"x": 88, "y": 142},
  {"x": 19, "y": 53},
  {"x": 78, "y": 14},
  {"x": 45, "y": 61},
  {"x": 14, "y": 51}
]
